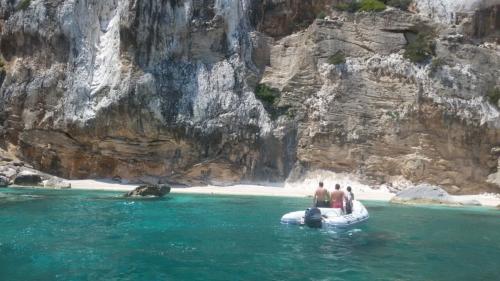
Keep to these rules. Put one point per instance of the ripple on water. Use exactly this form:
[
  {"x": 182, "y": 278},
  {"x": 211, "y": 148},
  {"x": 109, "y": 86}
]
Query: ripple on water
[{"x": 101, "y": 236}]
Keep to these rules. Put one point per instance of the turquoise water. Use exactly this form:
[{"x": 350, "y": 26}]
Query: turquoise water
[{"x": 76, "y": 235}]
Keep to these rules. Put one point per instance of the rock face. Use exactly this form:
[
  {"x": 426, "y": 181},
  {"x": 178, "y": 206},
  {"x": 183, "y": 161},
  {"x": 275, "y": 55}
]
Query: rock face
[
  {"x": 476, "y": 18},
  {"x": 167, "y": 90},
  {"x": 17, "y": 172},
  {"x": 151, "y": 190}
]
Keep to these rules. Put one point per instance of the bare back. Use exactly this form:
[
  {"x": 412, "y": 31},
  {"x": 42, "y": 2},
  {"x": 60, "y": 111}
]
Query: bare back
[
  {"x": 338, "y": 196},
  {"x": 321, "y": 194}
]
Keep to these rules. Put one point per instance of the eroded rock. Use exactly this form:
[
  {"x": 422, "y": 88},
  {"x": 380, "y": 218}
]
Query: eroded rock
[
  {"x": 8, "y": 171},
  {"x": 57, "y": 183},
  {"x": 28, "y": 178},
  {"x": 149, "y": 190}
]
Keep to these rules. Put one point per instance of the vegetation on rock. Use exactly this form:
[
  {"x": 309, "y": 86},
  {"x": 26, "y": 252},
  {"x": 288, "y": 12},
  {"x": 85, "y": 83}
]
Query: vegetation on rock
[
  {"x": 23, "y": 5},
  {"x": 337, "y": 58},
  {"x": 266, "y": 93},
  {"x": 494, "y": 95},
  {"x": 270, "y": 99},
  {"x": 371, "y": 6},
  {"x": 347, "y": 7},
  {"x": 363, "y": 5},
  {"x": 421, "y": 48},
  {"x": 321, "y": 15}
]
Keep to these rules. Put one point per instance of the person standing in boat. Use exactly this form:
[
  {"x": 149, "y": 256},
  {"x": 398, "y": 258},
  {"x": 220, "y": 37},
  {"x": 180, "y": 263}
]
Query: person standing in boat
[
  {"x": 321, "y": 196},
  {"x": 337, "y": 198},
  {"x": 349, "y": 199}
]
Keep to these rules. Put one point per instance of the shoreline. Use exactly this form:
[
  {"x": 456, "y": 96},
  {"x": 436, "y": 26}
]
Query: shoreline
[
  {"x": 240, "y": 189},
  {"x": 295, "y": 191}
]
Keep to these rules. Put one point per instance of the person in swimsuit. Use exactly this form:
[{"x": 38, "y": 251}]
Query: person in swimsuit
[
  {"x": 337, "y": 198},
  {"x": 320, "y": 196},
  {"x": 349, "y": 199}
]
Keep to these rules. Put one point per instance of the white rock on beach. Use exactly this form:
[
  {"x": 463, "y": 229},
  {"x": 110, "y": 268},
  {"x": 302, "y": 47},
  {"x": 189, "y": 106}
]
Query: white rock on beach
[{"x": 423, "y": 193}]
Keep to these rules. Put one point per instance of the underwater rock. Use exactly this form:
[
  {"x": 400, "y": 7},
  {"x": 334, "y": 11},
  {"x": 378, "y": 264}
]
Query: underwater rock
[
  {"x": 28, "y": 178},
  {"x": 154, "y": 190}
]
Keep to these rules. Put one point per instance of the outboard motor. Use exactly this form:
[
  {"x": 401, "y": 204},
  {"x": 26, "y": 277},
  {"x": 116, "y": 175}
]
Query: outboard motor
[{"x": 313, "y": 218}]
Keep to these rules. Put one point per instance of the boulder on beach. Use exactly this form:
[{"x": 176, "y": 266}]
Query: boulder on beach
[
  {"x": 151, "y": 190},
  {"x": 28, "y": 178},
  {"x": 4, "y": 181},
  {"x": 423, "y": 194},
  {"x": 8, "y": 172},
  {"x": 57, "y": 183},
  {"x": 469, "y": 202}
]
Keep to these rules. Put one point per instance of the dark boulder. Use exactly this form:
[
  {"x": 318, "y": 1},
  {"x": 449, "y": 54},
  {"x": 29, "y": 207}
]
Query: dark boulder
[
  {"x": 28, "y": 179},
  {"x": 153, "y": 190},
  {"x": 4, "y": 181}
]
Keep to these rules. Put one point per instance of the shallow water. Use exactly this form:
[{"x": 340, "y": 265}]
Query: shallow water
[{"x": 81, "y": 235}]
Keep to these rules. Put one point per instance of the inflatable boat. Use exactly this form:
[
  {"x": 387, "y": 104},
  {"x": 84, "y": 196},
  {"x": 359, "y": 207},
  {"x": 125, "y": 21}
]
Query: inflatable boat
[{"x": 327, "y": 217}]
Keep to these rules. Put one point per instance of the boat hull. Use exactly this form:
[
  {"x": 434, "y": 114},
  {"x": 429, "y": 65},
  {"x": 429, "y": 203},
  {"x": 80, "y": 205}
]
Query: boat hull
[{"x": 332, "y": 217}]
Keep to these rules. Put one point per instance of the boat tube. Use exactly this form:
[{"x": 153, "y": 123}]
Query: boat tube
[{"x": 330, "y": 217}]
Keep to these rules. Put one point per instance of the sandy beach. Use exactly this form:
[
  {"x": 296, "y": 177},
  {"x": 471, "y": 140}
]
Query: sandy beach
[
  {"x": 242, "y": 189},
  {"x": 304, "y": 189}
]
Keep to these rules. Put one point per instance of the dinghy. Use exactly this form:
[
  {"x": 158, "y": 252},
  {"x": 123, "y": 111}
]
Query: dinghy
[{"x": 327, "y": 217}]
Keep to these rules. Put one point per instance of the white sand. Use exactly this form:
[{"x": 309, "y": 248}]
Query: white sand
[
  {"x": 303, "y": 189},
  {"x": 259, "y": 190},
  {"x": 101, "y": 185},
  {"x": 298, "y": 190},
  {"x": 491, "y": 200}
]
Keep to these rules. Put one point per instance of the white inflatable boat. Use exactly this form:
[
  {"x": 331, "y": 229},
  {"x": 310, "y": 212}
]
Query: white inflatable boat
[{"x": 329, "y": 217}]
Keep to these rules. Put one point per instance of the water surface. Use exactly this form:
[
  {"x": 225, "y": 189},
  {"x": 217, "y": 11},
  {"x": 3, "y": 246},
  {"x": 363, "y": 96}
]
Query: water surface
[{"x": 82, "y": 235}]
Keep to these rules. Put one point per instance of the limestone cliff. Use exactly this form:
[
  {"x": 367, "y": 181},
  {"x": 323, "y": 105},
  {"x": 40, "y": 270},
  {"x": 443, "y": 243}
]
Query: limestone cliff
[{"x": 220, "y": 91}]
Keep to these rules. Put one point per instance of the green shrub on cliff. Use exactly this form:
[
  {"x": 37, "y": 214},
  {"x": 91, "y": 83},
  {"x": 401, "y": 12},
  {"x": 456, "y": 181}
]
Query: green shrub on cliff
[
  {"x": 337, "y": 58},
  {"x": 321, "y": 15},
  {"x": 23, "y": 5},
  {"x": 266, "y": 94},
  {"x": 494, "y": 95},
  {"x": 351, "y": 7},
  {"x": 421, "y": 48},
  {"x": 362, "y": 5},
  {"x": 371, "y": 6}
]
